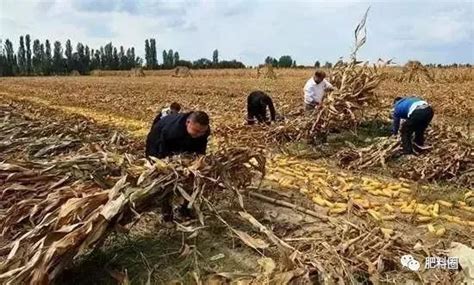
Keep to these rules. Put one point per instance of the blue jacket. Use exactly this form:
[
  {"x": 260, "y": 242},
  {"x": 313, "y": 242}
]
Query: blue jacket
[{"x": 401, "y": 111}]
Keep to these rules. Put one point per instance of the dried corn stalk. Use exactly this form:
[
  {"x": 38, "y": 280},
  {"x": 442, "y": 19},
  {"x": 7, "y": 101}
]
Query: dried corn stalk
[
  {"x": 414, "y": 71},
  {"x": 451, "y": 158},
  {"x": 355, "y": 89}
]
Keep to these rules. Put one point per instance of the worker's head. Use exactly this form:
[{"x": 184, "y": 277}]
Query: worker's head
[
  {"x": 319, "y": 76},
  {"x": 175, "y": 108},
  {"x": 197, "y": 124},
  {"x": 395, "y": 101}
]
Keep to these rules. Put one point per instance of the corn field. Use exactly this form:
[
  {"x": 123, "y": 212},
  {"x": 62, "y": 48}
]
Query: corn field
[{"x": 72, "y": 174}]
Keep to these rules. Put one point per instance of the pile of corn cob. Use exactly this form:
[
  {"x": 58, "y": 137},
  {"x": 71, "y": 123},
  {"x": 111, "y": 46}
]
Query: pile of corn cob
[{"x": 339, "y": 193}]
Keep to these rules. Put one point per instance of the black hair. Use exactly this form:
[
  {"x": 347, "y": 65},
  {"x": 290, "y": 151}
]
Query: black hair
[
  {"x": 397, "y": 99},
  {"x": 175, "y": 106},
  {"x": 199, "y": 117}
]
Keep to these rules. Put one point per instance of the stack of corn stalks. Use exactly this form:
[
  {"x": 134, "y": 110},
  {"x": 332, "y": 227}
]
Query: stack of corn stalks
[
  {"x": 414, "y": 71},
  {"x": 54, "y": 209},
  {"x": 355, "y": 89},
  {"x": 451, "y": 158}
]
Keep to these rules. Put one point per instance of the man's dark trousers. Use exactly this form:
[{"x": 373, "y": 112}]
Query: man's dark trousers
[{"x": 417, "y": 123}]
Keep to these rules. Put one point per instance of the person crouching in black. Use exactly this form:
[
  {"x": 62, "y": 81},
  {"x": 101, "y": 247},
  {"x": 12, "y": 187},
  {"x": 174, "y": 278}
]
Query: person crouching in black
[{"x": 257, "y": 103}]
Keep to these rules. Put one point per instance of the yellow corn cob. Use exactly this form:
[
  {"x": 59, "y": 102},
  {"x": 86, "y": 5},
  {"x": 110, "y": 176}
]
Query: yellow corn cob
[
  {"x": 395, "y": 186},
  {"x": 386, "y": 232},
  {"x": 375, "y": 192},
  {"x": 318, "y": 200},
  {"x": 440, "y": 231},
  {"x": 423, "y": 219},
  {"x": 340, "y": 205},
  {"x": 398, "y": 203},
  {"x": 387, "y": 192},
  {"x": 405, "y": 190},
  {"x": 423, "y": 212},
  {"x": 445, "y": 203},
  {"x": 395, "y": 194},
  {"x": 470, "y": 223},
  {"x": 374, "y": 214},
  {"x": 304, "y": 191},
  {"x": 467, "y": 208},
  {"x": 436, "y": 208},
  {"x": 407, "y": 210},
  {"x": 431, "y": 229},
  {"x": 405, "y": 185},
  {"x": 389, "y": 208},
  {"x": 460, "y": 203},
  {"x": 363, "y": 203},
  {"x": 347, "y": 187},
  {"x": 337, "y": 210},
  {"x": 389, "y": 217},
  {"x": 329, "y": 204}
]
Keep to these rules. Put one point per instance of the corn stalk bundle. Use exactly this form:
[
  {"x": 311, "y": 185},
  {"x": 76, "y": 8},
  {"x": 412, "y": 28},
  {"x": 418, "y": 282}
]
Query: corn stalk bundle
[
  {"x": 355, "y": 89},
  {"x": 182, "y": 71},
  {"x": 70, "y": 220},
  {"x": 55, "y": 208},
  {"x": 451, "y": 158},
  {"x": 343, "y": 107},
  {"x": 414, "y": 71}
]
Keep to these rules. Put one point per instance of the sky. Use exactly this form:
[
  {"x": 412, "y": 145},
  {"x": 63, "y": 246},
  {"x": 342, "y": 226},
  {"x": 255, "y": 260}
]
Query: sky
[{"x": 250, "y": 30}]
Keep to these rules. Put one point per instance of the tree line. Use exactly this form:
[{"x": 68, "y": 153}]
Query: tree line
[
  {"x": 46, "y": 58},
  {"x": 171, "y": 59},
  {"x": 38, "y": 58}
]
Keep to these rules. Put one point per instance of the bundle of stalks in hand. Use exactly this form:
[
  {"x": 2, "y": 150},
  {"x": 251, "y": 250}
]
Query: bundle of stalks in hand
[
  {"x": 355, "y": 85},
  {"x": 450, "y": 158}
]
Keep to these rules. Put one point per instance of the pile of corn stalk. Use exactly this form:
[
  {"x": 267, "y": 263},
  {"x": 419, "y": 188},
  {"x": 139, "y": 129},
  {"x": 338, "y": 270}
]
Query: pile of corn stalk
[
  {"x": 54, "y": 209},
  {"x": 355, "y": 90},
  {"x": 450, "y": 158},
  {"x": 415, "y": 71}
]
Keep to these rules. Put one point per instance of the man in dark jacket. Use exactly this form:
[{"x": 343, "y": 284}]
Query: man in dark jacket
[
  {"x": 257, "y": 103},
  {"x": 179, "y": 133},
  {"x": 174, "y": 108},
  {"x": 417, "y": 115}
]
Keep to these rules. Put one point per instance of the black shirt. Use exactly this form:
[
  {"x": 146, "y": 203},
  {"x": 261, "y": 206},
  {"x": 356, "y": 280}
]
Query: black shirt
[
  {"x": 169, "y": 136},
  {"x": 257, "y": 103}
]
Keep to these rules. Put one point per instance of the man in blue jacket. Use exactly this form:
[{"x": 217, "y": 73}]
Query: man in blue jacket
[{"x": 417, "y": 114}]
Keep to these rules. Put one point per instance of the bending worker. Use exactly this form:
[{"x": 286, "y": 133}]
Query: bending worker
[
  {"x": 257, "y": 103},
  {"x": 179, "y": 133},
  {"x": 417, "y": 115}
]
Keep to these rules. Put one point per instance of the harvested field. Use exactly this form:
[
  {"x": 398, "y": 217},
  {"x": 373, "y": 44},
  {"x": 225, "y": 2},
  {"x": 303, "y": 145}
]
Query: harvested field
[{"x": 65, "y": 139}]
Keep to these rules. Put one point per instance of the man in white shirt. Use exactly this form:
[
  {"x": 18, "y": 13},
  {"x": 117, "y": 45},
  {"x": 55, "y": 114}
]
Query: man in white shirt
[{"x": 315, "y": 89}]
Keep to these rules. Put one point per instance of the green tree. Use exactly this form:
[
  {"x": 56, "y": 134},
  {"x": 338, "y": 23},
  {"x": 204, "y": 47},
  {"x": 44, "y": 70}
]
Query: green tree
[
  {"x": 215, "y": 57},
  {"x": 317, "y": 64},
  {"x": 171, "y": 58},
  {"x": 116, "y": 60},
  {"x": 79, "y": 58},
  {"x": 153, "y": 54},
  {"x": 58, "y": 60},
  {"x": 176, "y": 58},
  {"x": 87, "y": 60},
  {"x": 109, "y": 56},
  {"x": 275, "y": 62},
  {"x": 11, "y": 67},
  {"x": 37, "y": 57},
  {"x": 102, "y": 58},
  {"x": 327, "y": 65},
  {"x": 95, "y": 63},
  {"x": 285, "y": 61},
  {"x": 147, "y": 54},
  {"x": 68, "y": 54},
  {"x": 28, "y": 54},
  {"x": 22, "y": 56},
  {"x": 123, "y": 59},
  {"x": 165, "y": 59},
  {"x": 47, "y": 61}
]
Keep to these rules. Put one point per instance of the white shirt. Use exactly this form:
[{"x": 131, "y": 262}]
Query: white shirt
[
  {"x": 313, "y": 92},
  {"x": 415, "y": 105},
  {"x": 165, "y": 112}
]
